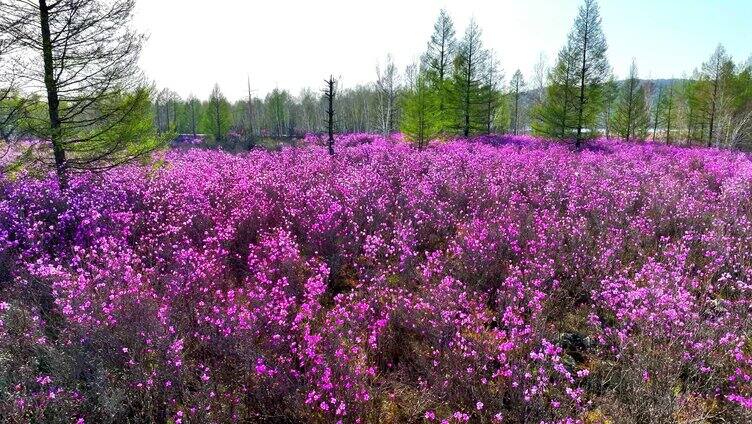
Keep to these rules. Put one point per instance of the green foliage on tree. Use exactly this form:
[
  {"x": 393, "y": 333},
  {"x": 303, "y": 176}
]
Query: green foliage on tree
[
  {"x": 122, "y": 138},
  {"x": 556, "y": 115},
  {"x": 689, "y": 95},
  {"x": 438, "y": 64},
  {"x": 420, "y": 120},
  {"x": 12, "y": 111},
  {"x": 714, "y": 79},
  {"x": 631, "y": 118},
  {"x": 469, "y": 95},
  {"x": 592, "y": 70},
  {"x": 189, "y": 114},
  {"x": 503, "y": 115},
  {"x": 277, "y": 111},
  {"x": 82, "y": 59},
  {"x": 574, "y": 97},
  {"x": 216, "y": 119},
  {"x": 610, "y": 96},
  {"x": 668, "y": 114}
]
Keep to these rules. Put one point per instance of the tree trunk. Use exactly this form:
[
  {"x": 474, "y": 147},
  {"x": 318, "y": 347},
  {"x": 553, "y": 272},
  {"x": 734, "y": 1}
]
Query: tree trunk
[
  {"x": 516, "y": 105},
  {"x": 158, "y": 114},
  {"x": 567, "y": 85},
  {"x": 53, "y": 99},
  {"x": 251, "y": 141},
  {"x": 655, "y": 121},
  {"x": 219, "y": 122},
  {"x": 582, "y": 80},
  {"x": 630, "y": 107},
  {"x": 468, "y": 76},
  {"x": 668, "y": 120},
  {"x": 713, "y": 108},
  {"x": 330, "y": 113},
  {"x": 193, "y": 118},
  {"x": 608, "y": 120}
]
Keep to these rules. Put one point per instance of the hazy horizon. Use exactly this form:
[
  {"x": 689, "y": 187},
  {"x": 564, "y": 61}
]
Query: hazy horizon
[{"x": 282, "y": 44}]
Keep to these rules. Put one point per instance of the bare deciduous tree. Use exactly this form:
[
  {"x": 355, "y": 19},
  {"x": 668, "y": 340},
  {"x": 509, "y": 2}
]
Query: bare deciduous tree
[
  {"x": 310, "y": 110},
  {"x": 540, "y": 70},
  {"x": 713, "y": 73},
  {"x": 517, "y": 88},
  {"x": 492, "y": 81},
  {"x": 165, "y": 110},
  {"x": 387, "y": 85}
]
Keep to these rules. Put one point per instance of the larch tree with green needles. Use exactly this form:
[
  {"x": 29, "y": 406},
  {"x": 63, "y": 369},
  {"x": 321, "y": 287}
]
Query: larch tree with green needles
[
  {"x": 669, "y": 115},
  {"x": 81, "y": 56},
  {"x": 419, "y": 106},
  {"x": 713, "y": 77},
  {"x": 555, "y": 117},
  {"x": 437, "y": 62},
  {"x": 590, "y": 47},
  {"x": 582, "y": 71},
  {"x": 216, "y": 120},
  {"x": 12, "y": 103},
  {"x": 468, "y": 92},
  {"x": 631, "y": 118},
  {"x": 610, "y": 95}
]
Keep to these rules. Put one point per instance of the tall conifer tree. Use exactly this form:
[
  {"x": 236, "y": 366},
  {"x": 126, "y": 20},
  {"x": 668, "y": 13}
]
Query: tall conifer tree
[
  {"x": 437, "y": 63},
  {"x": 631, "y": 118},
  {"x": 418, "y": 121},
  {"x": 555, "y": 117},
  {"x": 468, "y": 97},
  {"x": 576, "y": 82}
]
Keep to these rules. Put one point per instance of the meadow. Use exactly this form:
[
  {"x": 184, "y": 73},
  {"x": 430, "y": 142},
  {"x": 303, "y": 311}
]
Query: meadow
[{"x": 493, "y": 279}]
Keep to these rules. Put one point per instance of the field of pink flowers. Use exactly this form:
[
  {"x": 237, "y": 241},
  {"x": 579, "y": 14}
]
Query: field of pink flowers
[{"x": 495, "y": 280}]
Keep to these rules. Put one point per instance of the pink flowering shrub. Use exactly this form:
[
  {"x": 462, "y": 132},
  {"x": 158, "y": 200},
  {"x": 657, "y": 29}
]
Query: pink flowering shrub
[{"x": 500, "y": 279}]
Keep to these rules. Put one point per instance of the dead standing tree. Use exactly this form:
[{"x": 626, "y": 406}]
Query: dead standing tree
[{"x": 330, "y": 91}]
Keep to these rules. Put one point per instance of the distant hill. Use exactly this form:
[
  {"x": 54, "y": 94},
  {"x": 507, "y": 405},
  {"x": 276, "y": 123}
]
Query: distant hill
[
  {"x": 658, "y": 83},
  {"x": 661, "y": 83}
]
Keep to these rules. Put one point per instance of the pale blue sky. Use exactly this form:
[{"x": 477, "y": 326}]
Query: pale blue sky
[{"x": 282, "y": 43}]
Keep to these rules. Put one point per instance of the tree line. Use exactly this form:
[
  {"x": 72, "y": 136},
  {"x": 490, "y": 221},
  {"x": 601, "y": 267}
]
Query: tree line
[
  {"x": 373, "y": 108},
  {"x": 458, "y": 88}
]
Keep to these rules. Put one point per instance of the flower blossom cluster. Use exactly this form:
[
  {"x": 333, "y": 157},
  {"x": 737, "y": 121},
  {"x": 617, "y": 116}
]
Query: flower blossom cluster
[{"x": 499, "y": 279}]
